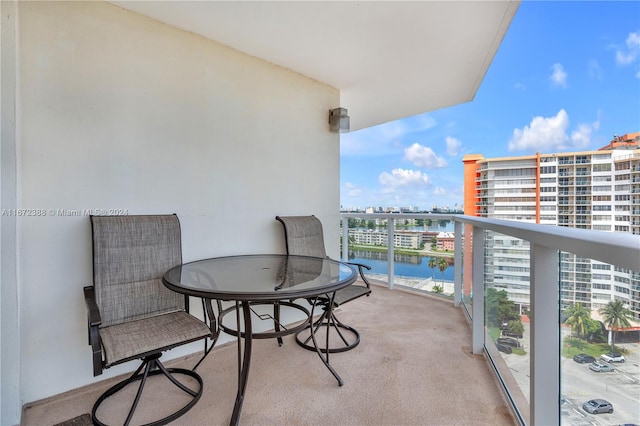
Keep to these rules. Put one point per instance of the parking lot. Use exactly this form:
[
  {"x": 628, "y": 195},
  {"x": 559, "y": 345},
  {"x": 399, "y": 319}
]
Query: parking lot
[
  {"x": 579, "y": 384},
  {"x": 620, "y": 387}
]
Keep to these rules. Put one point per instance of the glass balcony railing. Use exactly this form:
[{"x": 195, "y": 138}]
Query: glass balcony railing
[{"x": 520, "y": 285}]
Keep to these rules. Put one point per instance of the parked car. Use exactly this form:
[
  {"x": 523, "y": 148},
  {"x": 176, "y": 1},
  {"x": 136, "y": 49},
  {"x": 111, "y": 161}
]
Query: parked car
[
  {"x": 509, "y": 341},
  {"x": 508, "y": 333},
  {"x": 504, "y": 348},
  {"x": 583, "y": 358},
  {"x": 600, "y": 367},
  {"x": 597, "y": 406},
  {"x": 612, "y": 357}
]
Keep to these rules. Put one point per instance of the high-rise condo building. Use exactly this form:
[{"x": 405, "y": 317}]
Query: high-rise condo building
[{"x": 598, "y": 190}]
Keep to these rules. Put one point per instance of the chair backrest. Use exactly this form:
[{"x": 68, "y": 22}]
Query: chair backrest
[
  {"x": 130, "y": 256},
  {"x": 303, "y": 235}
]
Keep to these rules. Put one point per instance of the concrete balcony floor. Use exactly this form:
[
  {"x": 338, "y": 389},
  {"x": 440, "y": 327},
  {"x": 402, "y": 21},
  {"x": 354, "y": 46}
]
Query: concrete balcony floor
[{"x": 413, "y": 366}]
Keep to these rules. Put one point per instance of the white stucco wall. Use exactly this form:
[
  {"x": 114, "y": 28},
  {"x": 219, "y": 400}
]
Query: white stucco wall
[
  {"x": 9, "y": 292},
  {"x": 117, "y": 111}
]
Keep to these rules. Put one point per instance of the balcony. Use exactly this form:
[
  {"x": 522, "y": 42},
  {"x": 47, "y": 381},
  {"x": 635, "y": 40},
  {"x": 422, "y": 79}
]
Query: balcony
[
  {"x": 537, "y": 250},
  {"x": 414, "y": 359},
  {"x": 407, "y": 356},
  {"x": 138, "y": 111}
]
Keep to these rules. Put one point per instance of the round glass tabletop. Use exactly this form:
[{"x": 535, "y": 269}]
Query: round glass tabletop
[{"x": 263, "y": 277}]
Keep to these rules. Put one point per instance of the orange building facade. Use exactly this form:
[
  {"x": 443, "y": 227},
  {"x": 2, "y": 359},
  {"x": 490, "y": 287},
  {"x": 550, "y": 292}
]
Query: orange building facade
[{"x": 596, "y": 190}]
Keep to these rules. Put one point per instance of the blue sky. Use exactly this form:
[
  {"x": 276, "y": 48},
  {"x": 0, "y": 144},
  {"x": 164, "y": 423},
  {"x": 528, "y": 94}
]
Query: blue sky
[{"x": 565, "y": 78}]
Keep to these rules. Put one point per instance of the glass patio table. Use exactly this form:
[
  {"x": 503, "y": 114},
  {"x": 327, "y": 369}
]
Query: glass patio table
[{"x": 261, "y": 279}]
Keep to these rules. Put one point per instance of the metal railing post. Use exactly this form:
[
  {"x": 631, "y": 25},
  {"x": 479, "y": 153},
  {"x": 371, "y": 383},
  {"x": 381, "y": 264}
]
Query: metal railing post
[
  {"x": 457, "y": 264},
  {"x": 477, "y": 291},
  {"x": 545, "y": 343},
  {"x": 345, "y": 239},
  {"x": 390, "y": 255}
]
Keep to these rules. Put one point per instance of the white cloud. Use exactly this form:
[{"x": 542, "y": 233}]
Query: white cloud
[
  {"x": 423, "y": 156},
  {"x": 399, "y": 178},
  {"x": 385, "y": 138},
  {"x": 581, "y": 137},
  {"x": 453, "y": 146},
  {"x": 351, "y": 190},
  {"x": 630, "y": 54},
  {"x": 439, "y": 191},
  {"x": 520, "y": 86},
  {"x": 595, "y": 71},
  {"x": 559, "y": 76},
  {"x": 550, "y": 135}
]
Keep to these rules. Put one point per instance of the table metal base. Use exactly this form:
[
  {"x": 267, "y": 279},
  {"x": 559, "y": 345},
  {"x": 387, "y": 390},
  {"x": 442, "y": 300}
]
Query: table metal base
[{"x": 244, "y": 355}]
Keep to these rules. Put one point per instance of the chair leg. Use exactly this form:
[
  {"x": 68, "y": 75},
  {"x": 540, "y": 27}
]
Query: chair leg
[
  {"x": 348, "y": 335},
  {"x": 276, "y": 321},
  {"x": 152, "y": 366}
]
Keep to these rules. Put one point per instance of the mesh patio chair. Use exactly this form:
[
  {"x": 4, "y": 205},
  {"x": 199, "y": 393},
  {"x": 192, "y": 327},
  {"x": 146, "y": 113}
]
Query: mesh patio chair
[
  {"x": 131, "y": 314},
  {"x": 304, "y": 237}
]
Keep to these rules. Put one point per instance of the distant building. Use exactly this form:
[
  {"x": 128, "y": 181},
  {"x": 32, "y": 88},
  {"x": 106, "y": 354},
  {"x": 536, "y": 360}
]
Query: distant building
[
  {"x": 405, "y": 239},
  {"x": 597, "y": 190},
  {"x": 445, "y": 241}
]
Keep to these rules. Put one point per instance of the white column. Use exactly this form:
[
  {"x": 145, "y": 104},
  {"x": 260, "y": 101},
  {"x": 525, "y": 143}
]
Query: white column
[
  {"x": 390, "y": 255},
  {"x": 345, "y": 239},
  {"x": 477, "y": 290},
  {"x": 10, "y": 350},
  {"x": 457, "y": 264},
  {"x": 545, "y": 337}
]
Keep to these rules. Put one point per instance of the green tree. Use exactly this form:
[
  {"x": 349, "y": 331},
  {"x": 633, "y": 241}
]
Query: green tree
[
  {"x": 498, "y": 307},
  {"x": 616, "y": 316},
  {"x": 443, "y": 265},
  {"x": 578, "y": 318},
  {"x": 594, "y": 331},
  {"x": 434, "y": 242},
  {"x": 433, "y": 264},
  {"x": 516, "y": 326}
]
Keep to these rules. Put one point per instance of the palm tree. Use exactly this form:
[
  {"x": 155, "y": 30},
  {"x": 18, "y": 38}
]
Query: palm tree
[
  {"x": 433, "y": 263},
  {"x": 443, "y": 265},
  {"x": 615, "y": 316},
  {"x": 578, "y": 318}
]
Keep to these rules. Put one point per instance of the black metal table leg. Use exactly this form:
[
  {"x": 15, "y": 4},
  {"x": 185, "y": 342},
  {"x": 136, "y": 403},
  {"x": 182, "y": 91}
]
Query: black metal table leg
[
  {"x": 325, "y": 358},
  {"x": 244, "y": 361}
]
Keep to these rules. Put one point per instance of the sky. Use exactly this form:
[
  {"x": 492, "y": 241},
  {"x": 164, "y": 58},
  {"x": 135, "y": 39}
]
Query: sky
[{"x": 566, "y": 78}]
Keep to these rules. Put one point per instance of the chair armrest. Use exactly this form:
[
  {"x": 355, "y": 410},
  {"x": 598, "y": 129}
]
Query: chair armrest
[
  {"x": 361, "y": 268},
  {"x": 93, "y": 322},
  {"x": 360, "y": 265},
  {"x": 210, "y": 317},
  {"x": 93, "y": 313}
]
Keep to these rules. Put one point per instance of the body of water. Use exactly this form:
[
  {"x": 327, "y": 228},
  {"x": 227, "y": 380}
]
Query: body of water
[
  {"x": 435, "y": 226},
  {"x": 404, "y": 265}
]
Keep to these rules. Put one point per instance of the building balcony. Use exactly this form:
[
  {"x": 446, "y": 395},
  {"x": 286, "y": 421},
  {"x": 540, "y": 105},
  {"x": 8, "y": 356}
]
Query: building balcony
[
  {"x": 414, "y": 358},
  {"x": 555, "y": 387},
  {"x": 424, "y": 349}
]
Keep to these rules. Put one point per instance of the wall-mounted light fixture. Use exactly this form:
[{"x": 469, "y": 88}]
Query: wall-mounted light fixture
[{"x": 338, "y": 120}]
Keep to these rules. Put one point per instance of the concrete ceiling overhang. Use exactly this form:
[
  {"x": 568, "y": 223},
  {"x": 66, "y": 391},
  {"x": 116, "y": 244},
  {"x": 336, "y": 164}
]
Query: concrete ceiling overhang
[{"x": 389, "y": 59}]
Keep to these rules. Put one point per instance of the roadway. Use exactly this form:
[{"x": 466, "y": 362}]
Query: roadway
[{"x": 580, "y": 384}]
